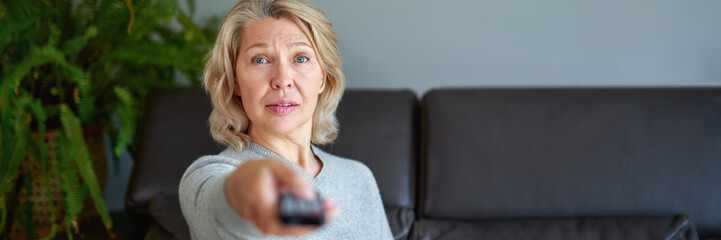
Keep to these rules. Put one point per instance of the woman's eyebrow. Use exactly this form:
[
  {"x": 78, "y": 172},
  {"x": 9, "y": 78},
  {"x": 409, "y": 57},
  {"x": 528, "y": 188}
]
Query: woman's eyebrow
[
  {"x": 297, "y": 44},
  {"x": 258, "y": 45}
]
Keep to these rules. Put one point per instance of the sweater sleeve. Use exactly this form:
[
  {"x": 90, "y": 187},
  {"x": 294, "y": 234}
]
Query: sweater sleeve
[
  {"x": 377, "y": 205},
  {"x": 381, "y": 215},
  {"x": 205, "y": 206}
]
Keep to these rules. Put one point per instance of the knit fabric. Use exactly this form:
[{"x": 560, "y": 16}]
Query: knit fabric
[{"x": 349, "y": 182}]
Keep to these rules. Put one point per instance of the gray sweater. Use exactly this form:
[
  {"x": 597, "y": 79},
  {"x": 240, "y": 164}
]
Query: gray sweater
[{"x": 350, "y": 183}]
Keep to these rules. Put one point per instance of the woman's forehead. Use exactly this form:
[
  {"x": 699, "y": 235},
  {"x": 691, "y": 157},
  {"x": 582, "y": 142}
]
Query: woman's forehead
[{"x": 270, "y": 31}]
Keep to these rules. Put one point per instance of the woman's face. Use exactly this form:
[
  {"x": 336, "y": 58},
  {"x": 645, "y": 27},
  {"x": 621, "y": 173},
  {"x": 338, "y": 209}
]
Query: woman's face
[{"x": 278, "y": 77}]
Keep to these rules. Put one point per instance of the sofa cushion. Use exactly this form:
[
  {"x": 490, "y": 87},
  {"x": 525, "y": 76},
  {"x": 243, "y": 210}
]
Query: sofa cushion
[
  {"x": 379, "y": 128},
  {"x": 636, "y": 228},
  {"x": 518, "y": 153}
]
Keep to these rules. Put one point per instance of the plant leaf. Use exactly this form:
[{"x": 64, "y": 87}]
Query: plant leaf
[
  {"x": 86, "y": 101},
  {"x": 10, "y": 29},
  {"x": 69, "y": 179},
  {"x": 74, "y": 45},
  {"x": 73, "y": 130},
  {"x": 17, "y": 147},
  {"x": 10, "y": 171},
  {"x": 40, "y": 56},
  {"x": 127, "y": 120}
]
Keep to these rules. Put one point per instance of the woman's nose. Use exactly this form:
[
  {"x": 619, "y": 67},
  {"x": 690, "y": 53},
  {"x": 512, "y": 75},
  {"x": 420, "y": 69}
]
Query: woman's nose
[{"x": 282, "y": 77}]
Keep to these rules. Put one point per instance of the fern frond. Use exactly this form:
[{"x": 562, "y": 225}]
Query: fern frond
[
  {"x": 125, "y": 96},
  {"x": 10, "y": 28},
  {"x": 127, "y": 120},
  {"x": 54, "y": 35},
  {"x": 125, "y": 133},
  {"x": 73, "y": 130},
  {"x": 17, "y": 147},
  {"x": 110, "y": 19},
  {"x": 40, "y": 56},
  {"x": 11, "y": 162},
  {"x": 68, "y": 226},
  {"x": 86, "y": 101},
  {"x": 74, "y": 45},
  {"x": 69, "y": 178},
  {"x": 38, "y": 111},
  {"x": 36, "y": 57}
]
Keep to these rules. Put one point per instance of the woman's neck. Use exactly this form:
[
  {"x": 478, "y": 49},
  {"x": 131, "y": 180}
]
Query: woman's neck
[{"x": 292, "y": 147}]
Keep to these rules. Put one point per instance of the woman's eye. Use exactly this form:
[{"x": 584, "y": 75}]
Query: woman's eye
[
  {"x": 260, "y": 60},
  {"x": 301, "y": 59}
]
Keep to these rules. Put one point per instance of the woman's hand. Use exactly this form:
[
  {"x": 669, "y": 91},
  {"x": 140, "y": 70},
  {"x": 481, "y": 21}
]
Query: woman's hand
[{"x": 253, "y": 189}]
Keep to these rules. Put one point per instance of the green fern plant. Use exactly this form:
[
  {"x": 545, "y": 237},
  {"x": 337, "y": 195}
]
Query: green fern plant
[{"x": 70, "y": 64}]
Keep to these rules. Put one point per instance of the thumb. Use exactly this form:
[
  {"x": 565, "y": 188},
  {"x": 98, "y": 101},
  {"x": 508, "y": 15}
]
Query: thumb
[{"x": 292, "y": 180}]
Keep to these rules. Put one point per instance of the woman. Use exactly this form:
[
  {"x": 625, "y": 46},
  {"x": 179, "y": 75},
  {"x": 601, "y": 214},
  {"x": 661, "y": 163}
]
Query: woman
[{"x": 275, "y": 80}]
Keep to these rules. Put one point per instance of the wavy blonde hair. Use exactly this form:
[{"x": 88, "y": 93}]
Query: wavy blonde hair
[{"x": 228, "y": 120}]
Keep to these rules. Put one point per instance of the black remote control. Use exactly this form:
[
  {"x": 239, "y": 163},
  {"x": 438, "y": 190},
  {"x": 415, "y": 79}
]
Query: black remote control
[{"x": 295, "y": 211}]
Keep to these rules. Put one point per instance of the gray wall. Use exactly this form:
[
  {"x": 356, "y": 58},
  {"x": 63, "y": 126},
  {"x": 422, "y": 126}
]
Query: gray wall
[{"x": 423, "y": 44}]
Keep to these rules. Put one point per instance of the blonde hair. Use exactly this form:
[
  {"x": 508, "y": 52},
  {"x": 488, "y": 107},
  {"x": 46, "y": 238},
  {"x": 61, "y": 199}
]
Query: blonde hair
[{"x": 228, "y": 120}]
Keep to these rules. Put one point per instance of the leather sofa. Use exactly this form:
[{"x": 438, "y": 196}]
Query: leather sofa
[{"x": 575, "y": 163}]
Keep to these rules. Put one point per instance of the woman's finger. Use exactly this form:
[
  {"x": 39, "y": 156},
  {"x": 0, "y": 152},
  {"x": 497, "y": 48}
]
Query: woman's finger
[{"x": 331, "y": 208}]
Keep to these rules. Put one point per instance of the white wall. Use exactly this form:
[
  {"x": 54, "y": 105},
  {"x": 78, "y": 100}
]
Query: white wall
[{"x": 423, "y": 44}]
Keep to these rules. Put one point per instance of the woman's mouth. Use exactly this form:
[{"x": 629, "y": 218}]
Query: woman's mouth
[{"x": 282, "y": 107}]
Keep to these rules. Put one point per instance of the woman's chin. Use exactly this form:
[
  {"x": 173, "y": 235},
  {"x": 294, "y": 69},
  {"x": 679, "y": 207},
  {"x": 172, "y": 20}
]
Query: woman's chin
[{"x": 283, "y": 128}]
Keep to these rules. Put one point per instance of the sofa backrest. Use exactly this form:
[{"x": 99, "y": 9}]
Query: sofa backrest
[{"x": 540, "y": 153}]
